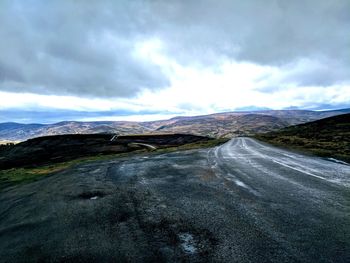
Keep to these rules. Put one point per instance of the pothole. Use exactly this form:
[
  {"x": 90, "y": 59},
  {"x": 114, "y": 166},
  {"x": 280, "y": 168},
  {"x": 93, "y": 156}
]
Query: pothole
[{"x": 187, "y": 242}]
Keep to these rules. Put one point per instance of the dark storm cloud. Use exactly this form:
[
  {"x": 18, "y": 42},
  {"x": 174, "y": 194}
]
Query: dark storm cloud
[
  {"x": 265, "y": 32},
  {"x": 73, "y": 47},
  {"x": 87, "y": 47},
  {"x": 268, "y": 31}
]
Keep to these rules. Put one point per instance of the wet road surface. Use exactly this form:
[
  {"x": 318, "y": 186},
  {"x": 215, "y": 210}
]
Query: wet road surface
[{"x": 244, "y": 201}]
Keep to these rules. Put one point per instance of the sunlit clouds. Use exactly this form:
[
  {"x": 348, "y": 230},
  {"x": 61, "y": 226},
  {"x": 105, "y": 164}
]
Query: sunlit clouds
[{"x": 153, "y": 59}]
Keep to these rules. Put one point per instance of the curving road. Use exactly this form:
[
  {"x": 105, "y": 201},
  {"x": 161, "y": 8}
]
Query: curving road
[
  {"x": 244, "y": 201},
  {"x": 249, "y": 159},
  {"x": 301, "y": 201}
]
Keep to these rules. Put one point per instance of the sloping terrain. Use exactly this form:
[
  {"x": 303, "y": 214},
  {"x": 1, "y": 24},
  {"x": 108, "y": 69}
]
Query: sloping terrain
[
  {"x": 53, "y": 149},
  {"x": 329, "y": 137},
  {"x": 21, "y": 132},
  {"x": 227, "y": 124},
  {"x": 231, "y": 124},
  {"x": 294, "y": 117}
]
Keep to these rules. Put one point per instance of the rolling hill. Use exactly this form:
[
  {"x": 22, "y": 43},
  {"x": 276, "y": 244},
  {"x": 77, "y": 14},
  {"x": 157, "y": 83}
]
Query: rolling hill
[
  {"x": 60, "y": 148},
  {"x": 227, "y": 124},
  {"x": 329, "y": 137}
]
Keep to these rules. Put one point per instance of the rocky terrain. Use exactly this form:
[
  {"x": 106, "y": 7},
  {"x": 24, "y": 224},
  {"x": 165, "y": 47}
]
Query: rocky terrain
[{"x": 228, "y": 124}]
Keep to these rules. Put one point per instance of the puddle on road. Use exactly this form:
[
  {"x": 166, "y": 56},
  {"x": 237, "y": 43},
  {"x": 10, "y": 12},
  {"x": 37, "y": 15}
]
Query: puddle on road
[
  {"x": 187, "y": 243},
  {"x": 240, "y": 183},
  {"x": 91, "y": 195}
]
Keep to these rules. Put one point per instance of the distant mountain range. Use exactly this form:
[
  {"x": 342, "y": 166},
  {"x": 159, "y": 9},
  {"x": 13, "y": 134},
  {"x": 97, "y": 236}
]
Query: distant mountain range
[{"x": 228, "y": 124}]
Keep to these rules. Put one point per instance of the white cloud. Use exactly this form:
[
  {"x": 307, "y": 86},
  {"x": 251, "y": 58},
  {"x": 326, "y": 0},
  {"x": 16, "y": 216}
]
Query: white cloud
[
  {"x": 201, "y": 89},
  {"x": 235, "y": 84}
]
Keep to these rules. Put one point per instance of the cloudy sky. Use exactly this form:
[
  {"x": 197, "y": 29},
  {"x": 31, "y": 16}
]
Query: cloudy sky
[{"x": 154, "y": 59}]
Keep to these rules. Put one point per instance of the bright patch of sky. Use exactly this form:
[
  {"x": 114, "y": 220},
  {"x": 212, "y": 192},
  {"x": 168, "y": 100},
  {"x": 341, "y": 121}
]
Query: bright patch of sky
[{"x": 152, "y": 59}]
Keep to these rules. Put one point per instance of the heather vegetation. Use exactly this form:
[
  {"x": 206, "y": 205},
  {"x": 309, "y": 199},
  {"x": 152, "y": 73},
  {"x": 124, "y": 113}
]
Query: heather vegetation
[
  {"x": 29, "y": 173},
  {"x": 329, "y": 137}
]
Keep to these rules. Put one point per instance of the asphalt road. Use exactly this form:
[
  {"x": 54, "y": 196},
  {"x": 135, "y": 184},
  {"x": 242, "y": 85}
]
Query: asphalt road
[{"x": 244, "y": 201}]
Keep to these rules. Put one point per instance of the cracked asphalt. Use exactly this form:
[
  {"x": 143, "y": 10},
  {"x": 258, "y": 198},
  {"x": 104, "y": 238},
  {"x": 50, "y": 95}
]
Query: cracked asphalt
[{"x": 244, "y": 201}]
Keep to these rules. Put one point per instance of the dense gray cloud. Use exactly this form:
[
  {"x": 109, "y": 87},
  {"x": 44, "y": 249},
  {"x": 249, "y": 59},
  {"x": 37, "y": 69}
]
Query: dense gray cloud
[
  {"x": 86, "y": 48},
  {"x": 261, "y": 31},
  {"x": 265, "y": 32},
  {"x": 73, "y": 47}
]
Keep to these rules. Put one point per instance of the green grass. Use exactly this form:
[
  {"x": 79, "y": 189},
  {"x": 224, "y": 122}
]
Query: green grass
[
  {"x": 16, "y": 176},
  {"x": 25, "y": 175}
]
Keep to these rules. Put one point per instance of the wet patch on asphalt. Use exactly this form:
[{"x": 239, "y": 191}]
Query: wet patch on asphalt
[
  {"x": 188, "y": 243},
  {"x": 91, "y": 195}
]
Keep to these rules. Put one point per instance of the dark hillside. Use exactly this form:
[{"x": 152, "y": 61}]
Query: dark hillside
[
  {"x": 53, "y": 149},
  {"x": 329, "y": 137}
]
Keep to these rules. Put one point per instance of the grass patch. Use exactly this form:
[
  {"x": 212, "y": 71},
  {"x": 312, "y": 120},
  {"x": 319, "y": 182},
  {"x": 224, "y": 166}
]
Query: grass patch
[
  {"x": 16, "y": 176},
  {"x": 25, "y": 175}
]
